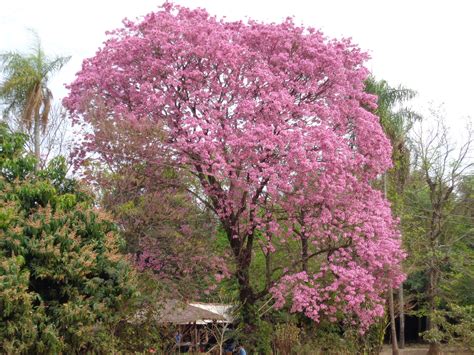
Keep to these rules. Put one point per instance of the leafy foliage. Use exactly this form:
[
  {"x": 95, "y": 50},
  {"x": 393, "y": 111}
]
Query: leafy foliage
[
  {"x": 438, "y": 228},
  {"x": 62, "y": 278}
]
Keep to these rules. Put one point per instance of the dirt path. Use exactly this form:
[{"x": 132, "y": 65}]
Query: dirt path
[{"x": 420, "y": 350}]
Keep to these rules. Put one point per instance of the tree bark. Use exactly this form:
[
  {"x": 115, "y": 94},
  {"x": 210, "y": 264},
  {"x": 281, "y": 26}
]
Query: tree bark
[
  {"x": 246, "y": 295},
  {"x": 37, "y": 140},
  {"x": 435, "y": 347},
  {"x": 242, "y": 247},
  {"x": 243, "y": 258},
  {"x": 392, "y": 322},
  {"x": 401, "y": 303}
]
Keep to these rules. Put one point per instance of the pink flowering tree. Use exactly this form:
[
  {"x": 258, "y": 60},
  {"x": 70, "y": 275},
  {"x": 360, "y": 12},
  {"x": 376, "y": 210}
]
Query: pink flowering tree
[{"x": 273, "y": 124}]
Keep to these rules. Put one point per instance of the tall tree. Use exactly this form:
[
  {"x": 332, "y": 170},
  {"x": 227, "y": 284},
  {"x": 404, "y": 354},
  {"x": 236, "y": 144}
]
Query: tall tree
[
  {"x": 435, "y": 208},
  {"x": 24, "y": 89},
  {"x": 264, "y": 117},
  {"x": 396, "y": 120}
]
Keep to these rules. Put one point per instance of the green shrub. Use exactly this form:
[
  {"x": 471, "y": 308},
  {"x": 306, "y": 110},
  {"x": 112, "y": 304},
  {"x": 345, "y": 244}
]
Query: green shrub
[
  {"x": 286, "y": 338},
  {"x": 62, "y": 278}
]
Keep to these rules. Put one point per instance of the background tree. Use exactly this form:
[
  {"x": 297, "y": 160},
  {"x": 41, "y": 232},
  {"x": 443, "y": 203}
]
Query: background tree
[
  {"x": 63, "y": 281},
  {"x": 57, "y": 136},
  {"x": 459, "y": 284},
  {"x": 24, "y": 90},
  {"x": 250, "y": 110},
  {"x": 435, "y": 202}
]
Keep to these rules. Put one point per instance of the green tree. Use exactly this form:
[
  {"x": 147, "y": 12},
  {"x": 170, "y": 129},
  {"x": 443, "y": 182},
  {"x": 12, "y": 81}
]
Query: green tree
[
  {"x": 62, "y": 278},
  {"x": 397, "y": 120},
  {"x": 440, "y": 230},
  {"x": 459, "y": 283},
  {"x": 24, "y": 88}
]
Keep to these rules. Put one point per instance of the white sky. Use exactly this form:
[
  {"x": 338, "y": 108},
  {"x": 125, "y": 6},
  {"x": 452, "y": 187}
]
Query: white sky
[{"x": 426, "y": 45}]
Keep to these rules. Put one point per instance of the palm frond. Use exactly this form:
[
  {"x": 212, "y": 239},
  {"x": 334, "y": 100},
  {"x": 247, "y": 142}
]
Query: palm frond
[
  {"x": 33, "y": 105},
  {"x": 395, "y": 122},
  {"x": 53, "y": 66},
  {"x": 19, "y": 81},
  {"x": 24, "y": 88}
]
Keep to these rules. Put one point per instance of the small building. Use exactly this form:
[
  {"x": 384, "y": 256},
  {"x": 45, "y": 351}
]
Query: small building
[{"x": 198, "y": 326}]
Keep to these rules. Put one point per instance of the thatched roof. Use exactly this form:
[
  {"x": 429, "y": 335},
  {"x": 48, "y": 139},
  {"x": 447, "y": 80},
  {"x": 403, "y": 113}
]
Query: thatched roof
[
  {"x": 182, "y": 313},
  {"x": 225, "y": 310}
]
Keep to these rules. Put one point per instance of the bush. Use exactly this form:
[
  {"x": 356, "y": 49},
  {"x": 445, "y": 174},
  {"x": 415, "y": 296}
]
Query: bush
[
  {"x": 454, "y": 326},
  {"x": 328, "y": 339},
  {"x": 286, "y": 338},
  {"x": 62, "y": 278}
]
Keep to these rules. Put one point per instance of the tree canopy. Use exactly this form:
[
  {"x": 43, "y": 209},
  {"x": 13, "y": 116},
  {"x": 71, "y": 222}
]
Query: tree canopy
[{"x": 272, "y": 122}]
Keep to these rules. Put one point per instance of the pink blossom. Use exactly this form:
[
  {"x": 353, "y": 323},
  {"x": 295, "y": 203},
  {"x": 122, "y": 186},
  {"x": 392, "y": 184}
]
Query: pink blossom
[{"x": 272, "y": 121}]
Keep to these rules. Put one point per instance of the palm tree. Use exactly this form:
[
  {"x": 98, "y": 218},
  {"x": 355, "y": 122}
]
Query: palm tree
[
  {"x": 396, "y": 120},
  {"x": 24, "y": 90}
]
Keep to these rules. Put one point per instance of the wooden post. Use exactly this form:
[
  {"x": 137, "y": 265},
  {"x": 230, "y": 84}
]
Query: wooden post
[{"x": 195, "y": 337}]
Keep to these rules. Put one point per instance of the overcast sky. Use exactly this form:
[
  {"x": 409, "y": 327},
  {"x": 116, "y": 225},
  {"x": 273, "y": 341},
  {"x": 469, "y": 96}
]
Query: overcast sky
[{"x": 424, "y": 45}]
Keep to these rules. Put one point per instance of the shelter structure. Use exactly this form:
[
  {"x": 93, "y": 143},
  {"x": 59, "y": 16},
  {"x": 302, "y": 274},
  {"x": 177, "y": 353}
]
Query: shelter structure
[{"x": 198, "y": 325}]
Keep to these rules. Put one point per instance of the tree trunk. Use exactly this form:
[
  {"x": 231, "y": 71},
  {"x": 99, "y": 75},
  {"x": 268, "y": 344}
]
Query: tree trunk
[
  {"x": 243, "y": 258},
  {"x": 391, "y": 307},
  {"x": 435, "y": 347},
  {"x": 419, "y": 325},
  {"x": 392, "y": 322},
  {"x": 246, "y": 295},
  {"x": 37, "y": 140},
  {"x": 401, "y": 302},
  {"x": 242, "y": 252}
]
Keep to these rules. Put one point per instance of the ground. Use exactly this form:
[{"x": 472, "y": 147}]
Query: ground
[{"x": 421, "y": 350}]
